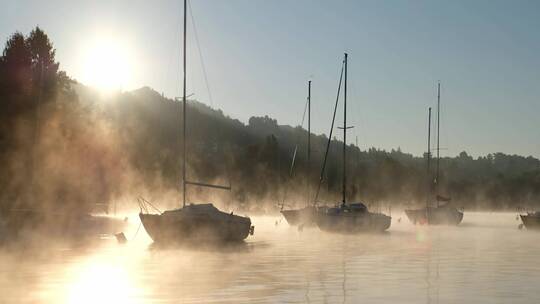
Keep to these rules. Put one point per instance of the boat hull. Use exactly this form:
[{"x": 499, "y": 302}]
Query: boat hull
[
  {"x": 435, "y": 216},
  {"x": 531, "y": 221},
  {"x": 304, "y": 216},
  {"x": 353, "y": 223},
  {"x": 173, "y": 229}
]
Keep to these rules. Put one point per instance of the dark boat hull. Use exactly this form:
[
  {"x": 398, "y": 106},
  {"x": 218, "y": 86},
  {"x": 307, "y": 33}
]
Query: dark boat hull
[
  {"x": 304, "y": 216},
  {"x": 174, "y": 229},
  {"x": 531, "y": 221},
  {"x": 353, "y": 223},
  {"x": 435, "y": 216}
]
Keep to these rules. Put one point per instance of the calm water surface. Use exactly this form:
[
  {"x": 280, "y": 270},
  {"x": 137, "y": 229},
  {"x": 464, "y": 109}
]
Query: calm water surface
[{"x": 487, "y": 259}]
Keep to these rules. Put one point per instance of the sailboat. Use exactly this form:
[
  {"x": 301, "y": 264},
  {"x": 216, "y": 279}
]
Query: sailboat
[
  {"x": 531, "y": 220},
  {"x": 306, "y": 215},
  {"x": 194, "y": 222},
  {"x": 443, "y": 213},
  {"x": 348, "y": 217}
]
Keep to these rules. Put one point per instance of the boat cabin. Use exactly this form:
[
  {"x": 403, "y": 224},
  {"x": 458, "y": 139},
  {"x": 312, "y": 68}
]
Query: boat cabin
[{"x": 349, "y": 208}]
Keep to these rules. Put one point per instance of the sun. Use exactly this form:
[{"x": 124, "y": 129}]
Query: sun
[{"x": 107, "y": 65}]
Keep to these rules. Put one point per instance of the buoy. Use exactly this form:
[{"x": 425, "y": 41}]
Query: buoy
[{"x": 121, "y": 238}]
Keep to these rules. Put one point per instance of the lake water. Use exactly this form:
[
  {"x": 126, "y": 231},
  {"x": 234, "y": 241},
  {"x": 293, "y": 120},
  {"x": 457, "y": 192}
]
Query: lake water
[{"x": 486, "y": 259}]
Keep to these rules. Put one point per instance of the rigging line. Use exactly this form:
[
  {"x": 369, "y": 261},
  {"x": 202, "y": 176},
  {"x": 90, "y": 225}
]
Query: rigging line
[
  {"x": 200, "y": 55},
  {"x": 298, "y": 139},
  {"x": 207, "y": 83},
  {"x": 136, "y": 232},
  {"x": 330, "y": 135}
]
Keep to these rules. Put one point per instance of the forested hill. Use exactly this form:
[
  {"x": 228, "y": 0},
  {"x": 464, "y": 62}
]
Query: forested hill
[
  {"x": 256, "y": 157},
  {"x": 63, "y": 146}
]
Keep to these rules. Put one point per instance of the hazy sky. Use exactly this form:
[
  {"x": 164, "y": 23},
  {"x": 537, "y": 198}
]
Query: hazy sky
[{"x": 259, "y": 55}]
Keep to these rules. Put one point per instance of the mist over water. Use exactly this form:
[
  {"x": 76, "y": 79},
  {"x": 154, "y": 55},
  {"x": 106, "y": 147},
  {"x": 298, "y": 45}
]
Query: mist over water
[{"x": 484, "y": 260}]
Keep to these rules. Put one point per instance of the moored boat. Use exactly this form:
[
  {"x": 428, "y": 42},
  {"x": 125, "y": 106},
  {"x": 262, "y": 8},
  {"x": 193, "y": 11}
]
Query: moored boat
[
  {"x": 440, "y": 214},
  {"x": 353, "y": 218},
  {"x": 348, "y": 217},
  {"x": 201, "y": 222},
  {"x": 306, "y": 215},
  {"x": 301, "y": 216},
  {"x": 194, "y": 222},
  {"x": 531, "y": 220}
]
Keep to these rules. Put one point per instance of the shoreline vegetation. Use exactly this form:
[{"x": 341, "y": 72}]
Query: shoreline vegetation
[{"x": 63, "y": 146}]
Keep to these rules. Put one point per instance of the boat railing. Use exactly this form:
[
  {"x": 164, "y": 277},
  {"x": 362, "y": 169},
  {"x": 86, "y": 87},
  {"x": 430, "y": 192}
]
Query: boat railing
[{"x": 145, "y": 204}]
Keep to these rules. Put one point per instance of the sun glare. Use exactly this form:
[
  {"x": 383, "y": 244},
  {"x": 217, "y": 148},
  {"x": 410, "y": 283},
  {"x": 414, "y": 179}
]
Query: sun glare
[
  {"x": 107, "y": 66},
  {"x": 99, "y": 282}
]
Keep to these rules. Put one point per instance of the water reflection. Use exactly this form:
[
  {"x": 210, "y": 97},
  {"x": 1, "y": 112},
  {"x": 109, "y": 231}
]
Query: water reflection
[
  {"x": 473, "y": 263},
  {"x": 234, "y": 247},
  {"x": 98, "y": 281},
  {"x": 432, "y": 266}
]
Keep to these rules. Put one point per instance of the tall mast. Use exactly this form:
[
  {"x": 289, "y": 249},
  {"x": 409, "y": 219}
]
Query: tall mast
[
  {"x": 429, "y": 158},
  {"x": 184, "y": 114},
  {"x": 438, "y": 133},
  {"x": 344, "y": 133},
  {"x": 185, "y": 182},
  {"x": 309, "y": 140}
]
